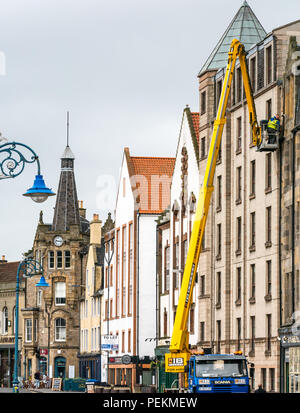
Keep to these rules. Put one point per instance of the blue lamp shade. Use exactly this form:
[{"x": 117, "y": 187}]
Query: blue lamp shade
[
  {"x": 39, "y": 192},
  {"x": 42, "y": 282}
]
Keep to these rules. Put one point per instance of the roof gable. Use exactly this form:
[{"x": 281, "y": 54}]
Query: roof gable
[{"x": 150, "y": 181}]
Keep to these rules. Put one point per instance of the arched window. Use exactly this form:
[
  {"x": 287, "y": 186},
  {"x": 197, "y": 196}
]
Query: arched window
[
  {"x": 60, "y": 329},
  {"x": 4, "y": 320}
]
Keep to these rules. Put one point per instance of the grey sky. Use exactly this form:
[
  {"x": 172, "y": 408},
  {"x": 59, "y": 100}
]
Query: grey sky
[{"x": 125, "y": 69}]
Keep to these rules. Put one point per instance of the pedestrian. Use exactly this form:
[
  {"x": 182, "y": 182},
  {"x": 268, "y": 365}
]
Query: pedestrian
[
  {"x": 260, "y": 389},
  {"x": 273, "y": 127},
  {"x": 37, "y": 378}
]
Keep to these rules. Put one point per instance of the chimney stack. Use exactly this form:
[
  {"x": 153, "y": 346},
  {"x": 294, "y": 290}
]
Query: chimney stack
[
  {"x": 95, "y": 230},
  {"x": 3, "y": 260},
  {"x": 82, "y": 211}
]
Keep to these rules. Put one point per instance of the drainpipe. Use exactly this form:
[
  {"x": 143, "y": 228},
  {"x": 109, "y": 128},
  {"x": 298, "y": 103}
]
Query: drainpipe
[
  {"x": 157, "y": 300},
  {"x": 137, "y": 287},
  {"x": 281, "y": 357},
  {"x": 294, "y": 132}
]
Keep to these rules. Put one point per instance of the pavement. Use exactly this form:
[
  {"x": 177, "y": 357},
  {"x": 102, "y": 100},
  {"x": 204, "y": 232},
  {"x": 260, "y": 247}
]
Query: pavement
[{"x": 9, "y": 390}]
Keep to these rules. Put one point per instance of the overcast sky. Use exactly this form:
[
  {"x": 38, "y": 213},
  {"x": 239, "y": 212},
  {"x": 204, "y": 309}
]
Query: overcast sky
[{"x": 125, "y": 69}]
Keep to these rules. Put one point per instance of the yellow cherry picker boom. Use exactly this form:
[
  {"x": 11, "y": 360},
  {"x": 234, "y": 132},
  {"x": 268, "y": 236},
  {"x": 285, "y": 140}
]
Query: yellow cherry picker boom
[{"x": 177, "y": 359}]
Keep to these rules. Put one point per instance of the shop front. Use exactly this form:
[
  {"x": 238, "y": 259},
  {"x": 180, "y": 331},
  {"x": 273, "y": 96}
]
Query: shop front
[
  {"x": 6, "y": 364},
  {"x": 290, "y": 359},
  {"x": 131, "y": 371},
  {"x": 90, "y": 366}
]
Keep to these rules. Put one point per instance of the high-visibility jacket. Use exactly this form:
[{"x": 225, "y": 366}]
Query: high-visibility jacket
[{"x": 273, "y": 123}]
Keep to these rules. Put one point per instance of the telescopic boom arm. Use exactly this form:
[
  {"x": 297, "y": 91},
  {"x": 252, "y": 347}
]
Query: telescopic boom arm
[{"x": 179, "y": 355}]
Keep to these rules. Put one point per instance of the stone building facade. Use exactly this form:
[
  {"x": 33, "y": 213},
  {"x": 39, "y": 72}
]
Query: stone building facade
[
  {"x": 289, "y": 234},
  {"x": 51, "y": 316},
  {"x": 240, "y": 268},
  {"x": 244, "y": 282},
  {"x": 8, "y": 276},
  {"x": 91, "y": 359}
]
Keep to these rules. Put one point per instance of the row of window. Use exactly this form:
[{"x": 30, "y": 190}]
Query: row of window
[
  {"x": 120, "y": 281},
  {"x": 31, "y": 330},
  {"x": 252, "y": 235},
  {"x": 239, "y": 186},
  {"x": 252, "y": 333},
  {"x": 237, "y": 133},
  {"x": 95, "y": 339},
  {"x": 59, "y": 259},
  {"x": 190, "y": 321},
  {"x": 258, "y": 78},
  {"x": 238, "y": 283},
  {"x": 95, "y": 308}
]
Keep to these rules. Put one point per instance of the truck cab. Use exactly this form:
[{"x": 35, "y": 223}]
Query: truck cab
[{"x": 218, "y": 373}]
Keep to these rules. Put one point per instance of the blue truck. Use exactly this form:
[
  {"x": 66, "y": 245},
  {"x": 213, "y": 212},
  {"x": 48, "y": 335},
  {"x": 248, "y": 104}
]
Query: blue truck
[{"x": 218, "y": 373}]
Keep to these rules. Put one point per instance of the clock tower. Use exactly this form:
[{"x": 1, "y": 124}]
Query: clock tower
[{"x": 51, "y": 316}]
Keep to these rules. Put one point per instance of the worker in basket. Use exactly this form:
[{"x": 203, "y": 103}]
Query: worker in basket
[{"x": 273, "y": 127}]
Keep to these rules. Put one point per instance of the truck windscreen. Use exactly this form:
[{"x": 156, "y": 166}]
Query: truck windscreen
[{"x": 221, "y": 368}]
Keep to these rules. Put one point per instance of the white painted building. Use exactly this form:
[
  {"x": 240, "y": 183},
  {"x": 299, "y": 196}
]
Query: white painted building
[
  {"x": 130, "y": 285},
  {"x": 174, "y": 231}
]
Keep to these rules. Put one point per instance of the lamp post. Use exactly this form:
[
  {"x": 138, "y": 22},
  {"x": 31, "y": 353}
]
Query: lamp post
[
  {"x": 29, "y": 268},
  {"x": 12, "y": 164}
]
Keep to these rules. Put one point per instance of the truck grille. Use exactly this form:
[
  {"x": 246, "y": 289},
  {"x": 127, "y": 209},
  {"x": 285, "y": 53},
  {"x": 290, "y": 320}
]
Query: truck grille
[{"x": 225, "y": 388}]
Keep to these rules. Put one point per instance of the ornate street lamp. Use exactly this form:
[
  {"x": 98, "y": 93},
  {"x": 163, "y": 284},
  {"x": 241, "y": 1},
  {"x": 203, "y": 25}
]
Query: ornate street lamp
[
  {"x": 12, "y": 164},
  {"x": 29, "y": 268}
]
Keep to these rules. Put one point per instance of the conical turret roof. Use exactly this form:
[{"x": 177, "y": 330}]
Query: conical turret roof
[
  {"x": 66, "y": 211},
  {"x": 244, "y": 27}
]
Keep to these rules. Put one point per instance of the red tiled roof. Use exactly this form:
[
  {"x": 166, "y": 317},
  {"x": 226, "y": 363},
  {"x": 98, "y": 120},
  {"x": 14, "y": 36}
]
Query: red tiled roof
[
  {"x": 8, "y": 271},
  {"x": 150, "y": 181}
]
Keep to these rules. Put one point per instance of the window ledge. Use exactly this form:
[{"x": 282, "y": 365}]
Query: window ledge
[
  {"x": 218, "y": 306},
  {"x": 252, "y": 196},
  {"x": 218, "y": 209},
  {"x": 238, "y": 252},
  {"x": 203, "y": 296},
  {"x": 252, "y": 248},
  {"x": 238, "y": 151},
  {"x": 268, "y": 190},
  {"x": 238, "y": 201},
  {"x": 252, "y": 300},
  {"x": 218, "y": 257},
  {"x": 238, "y": 302},
  {"x": 268, "y": 297},
  {"x": 268, "y": 244}
]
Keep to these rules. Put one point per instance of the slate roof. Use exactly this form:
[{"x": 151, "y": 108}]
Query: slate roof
[
  {"x": 244, "y": 27},
  {"x": 8, "y": 271},
  {"x": 66, "y": 211}
]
